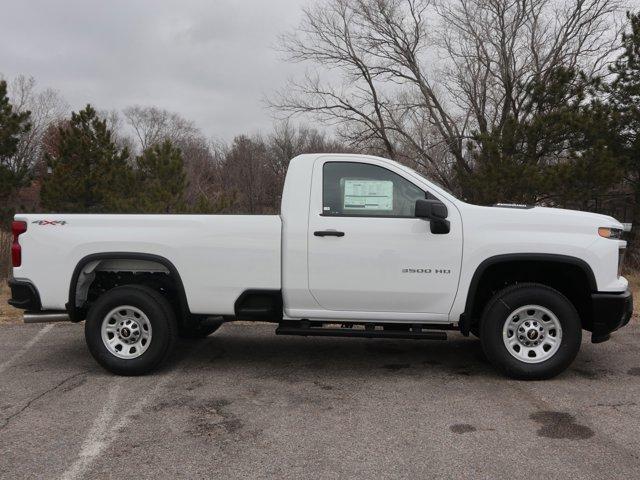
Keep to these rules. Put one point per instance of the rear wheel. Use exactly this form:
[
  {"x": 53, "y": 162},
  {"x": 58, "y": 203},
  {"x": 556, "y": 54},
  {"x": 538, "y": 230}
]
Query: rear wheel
[
  {"x": 530, "y": 331},
  {"x": 130, "y": 330}
]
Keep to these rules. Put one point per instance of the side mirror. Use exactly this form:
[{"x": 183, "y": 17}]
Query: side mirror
[{"x": 436, "y": 212}]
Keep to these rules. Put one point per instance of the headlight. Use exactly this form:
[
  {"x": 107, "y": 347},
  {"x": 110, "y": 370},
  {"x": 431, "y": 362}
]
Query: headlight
[{"x": 606, "y": 232}]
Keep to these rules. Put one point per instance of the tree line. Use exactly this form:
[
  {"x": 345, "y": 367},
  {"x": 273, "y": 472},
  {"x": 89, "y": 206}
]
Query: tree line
[
  {"x": 140, "y": 160},
  {"x": 498, "y": 100},
  {"x": 534, "y": 101}
]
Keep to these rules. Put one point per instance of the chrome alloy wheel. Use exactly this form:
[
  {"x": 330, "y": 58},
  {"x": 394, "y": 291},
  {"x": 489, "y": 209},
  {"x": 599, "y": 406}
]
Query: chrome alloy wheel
[
  {"x": 532, "y": 334},
  {"x": 126, "y": 332}
]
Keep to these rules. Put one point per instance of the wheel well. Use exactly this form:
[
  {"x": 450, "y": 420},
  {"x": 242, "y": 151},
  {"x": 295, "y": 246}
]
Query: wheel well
[
  {"x": 97, "y": 274},
  {"x": 571, "y": 278}
]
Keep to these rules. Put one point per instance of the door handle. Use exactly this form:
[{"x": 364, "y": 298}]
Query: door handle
[{"x": 328, "y": 233}]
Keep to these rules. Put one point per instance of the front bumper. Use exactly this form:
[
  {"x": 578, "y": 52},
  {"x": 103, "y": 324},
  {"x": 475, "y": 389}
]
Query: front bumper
[
  {"x": 24, "y": 295},
  {"x": 611, "y": 311}
]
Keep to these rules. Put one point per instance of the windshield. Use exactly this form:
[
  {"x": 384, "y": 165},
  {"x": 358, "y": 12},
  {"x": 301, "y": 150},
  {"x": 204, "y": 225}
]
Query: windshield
[{"x": 430, "y": 180}]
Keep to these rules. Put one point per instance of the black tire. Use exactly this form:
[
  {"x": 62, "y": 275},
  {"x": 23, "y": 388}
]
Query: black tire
[
  {"x": 163, "y": 326},
  {"x": 498, "y": 311},
  {"x": 198, "y": 331}
]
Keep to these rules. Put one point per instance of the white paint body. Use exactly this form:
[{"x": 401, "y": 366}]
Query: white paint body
[{"x": 355, "y": 277}]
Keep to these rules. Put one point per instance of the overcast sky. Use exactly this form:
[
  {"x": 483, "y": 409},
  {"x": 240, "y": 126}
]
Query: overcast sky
[{"x": 212, "y": 61}]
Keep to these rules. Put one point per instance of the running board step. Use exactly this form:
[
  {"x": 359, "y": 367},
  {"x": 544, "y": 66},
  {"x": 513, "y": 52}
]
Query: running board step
[{"x": 370, "y": 331}]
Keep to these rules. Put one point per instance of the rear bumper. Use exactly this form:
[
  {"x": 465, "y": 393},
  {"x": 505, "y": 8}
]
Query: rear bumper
[
  {"x": 24, "y": 295},
  {"x": 611, "y": 311}
]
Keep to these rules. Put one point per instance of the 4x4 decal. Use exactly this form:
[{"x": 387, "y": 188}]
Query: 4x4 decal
[{"x": 50, "y": 222}]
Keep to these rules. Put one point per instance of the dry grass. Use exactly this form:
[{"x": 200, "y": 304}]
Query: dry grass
[
  {"x": 8, "y": 314},
  {"x": 634, "y": 281},
  {"x": 634, "y": 284},
  {"x": 5, "y": 253}
]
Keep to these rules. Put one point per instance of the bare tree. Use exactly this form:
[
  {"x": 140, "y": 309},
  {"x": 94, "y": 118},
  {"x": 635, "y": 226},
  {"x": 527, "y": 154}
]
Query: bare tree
[
  {"x": 246, "y": 176},
  {"x": 116, "y": 126},
  {"x": 498, "y": 48},
  {"x": 152, "y": 125},
  {"x": 287, "y": 141},
  {"x": 417, "y": 78},
  {"x": 330, "y": 36},
  {"x": 47, "y": 109},
  {"x": 202, "y": 163}
]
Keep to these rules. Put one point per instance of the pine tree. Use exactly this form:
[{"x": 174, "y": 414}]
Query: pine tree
[
  {"x": 89, "y": 173},
  {"x": 12, "y": 126},
  {"x": 162, "y": 179},
  {"x": 624, "y": 99},
  {"x": 558, "y": 151}
]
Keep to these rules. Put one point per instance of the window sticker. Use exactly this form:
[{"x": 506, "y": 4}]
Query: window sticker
[{"x": 368, "y": 195}]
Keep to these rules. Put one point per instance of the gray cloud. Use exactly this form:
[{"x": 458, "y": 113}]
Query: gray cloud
[{"x": 211, "y": 61}]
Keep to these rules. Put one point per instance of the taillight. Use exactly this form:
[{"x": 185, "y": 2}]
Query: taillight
[{"x": 18, "y": 228}]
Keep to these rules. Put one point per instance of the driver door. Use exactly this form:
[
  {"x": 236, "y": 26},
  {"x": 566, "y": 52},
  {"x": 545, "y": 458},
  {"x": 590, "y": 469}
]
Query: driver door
[{"x": 366, "y": 250}]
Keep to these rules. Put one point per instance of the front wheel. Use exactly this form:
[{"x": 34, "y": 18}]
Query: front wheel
[
  {"x": 530, "y": 331},
  {"x": 130, "y": 330}
]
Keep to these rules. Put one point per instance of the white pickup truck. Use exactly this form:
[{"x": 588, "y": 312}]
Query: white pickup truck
[{"x": 363, "y": 247}]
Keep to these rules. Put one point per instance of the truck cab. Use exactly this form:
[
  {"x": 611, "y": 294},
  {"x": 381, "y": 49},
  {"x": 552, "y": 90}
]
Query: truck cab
[
  {"x": 356, "y": 249},
  {"x": 363, "y": 246}
]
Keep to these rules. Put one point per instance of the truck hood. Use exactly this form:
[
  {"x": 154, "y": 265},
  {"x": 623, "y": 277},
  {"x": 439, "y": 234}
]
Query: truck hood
[
  {"x": 541, "y": 217},
  {"x": 563, "y": 213}
]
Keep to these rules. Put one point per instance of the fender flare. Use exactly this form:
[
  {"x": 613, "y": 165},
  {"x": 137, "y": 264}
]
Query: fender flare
[
  {"x": 76, "y": 314},
  {"x": 465, "y": 318}
]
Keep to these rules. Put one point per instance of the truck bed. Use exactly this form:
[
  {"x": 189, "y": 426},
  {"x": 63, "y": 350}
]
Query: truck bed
[{"x": 218, "y": 256}]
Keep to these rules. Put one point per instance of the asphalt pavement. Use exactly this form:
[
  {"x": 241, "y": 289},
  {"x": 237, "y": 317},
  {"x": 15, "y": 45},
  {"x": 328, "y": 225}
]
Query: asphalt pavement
[{"x": 245, "y": 403}]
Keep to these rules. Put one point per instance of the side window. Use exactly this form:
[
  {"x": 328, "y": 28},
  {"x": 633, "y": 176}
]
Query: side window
[{"x": 361, "y": 189}]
